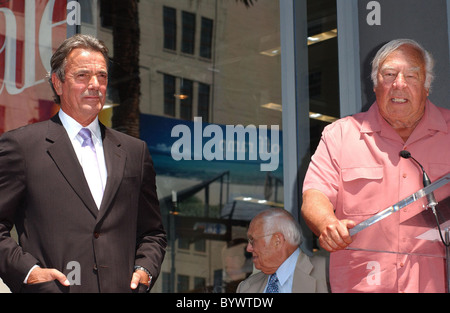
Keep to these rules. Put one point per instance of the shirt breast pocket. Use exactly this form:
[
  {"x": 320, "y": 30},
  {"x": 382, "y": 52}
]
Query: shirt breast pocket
[{"x": 361, "y": 188}]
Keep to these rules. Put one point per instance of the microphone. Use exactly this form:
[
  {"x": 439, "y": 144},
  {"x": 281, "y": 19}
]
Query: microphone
[
  {"x": 426, "y": 180},
  {"x": 430, "y": 198}
]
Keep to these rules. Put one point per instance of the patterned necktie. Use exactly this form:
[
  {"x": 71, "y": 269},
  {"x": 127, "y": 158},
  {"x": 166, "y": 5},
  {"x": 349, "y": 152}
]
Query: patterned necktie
[
  {"x": 90, "y": 166},
  {"x": 272, "y": 287}
]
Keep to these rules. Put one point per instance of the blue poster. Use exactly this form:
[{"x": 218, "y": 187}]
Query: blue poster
[{"x": 194, "y": 149}]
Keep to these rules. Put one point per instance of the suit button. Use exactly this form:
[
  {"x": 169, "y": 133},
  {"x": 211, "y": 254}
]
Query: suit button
[
  {"x": 96, "y": 235},
  {"x": 95, "y": 268}
]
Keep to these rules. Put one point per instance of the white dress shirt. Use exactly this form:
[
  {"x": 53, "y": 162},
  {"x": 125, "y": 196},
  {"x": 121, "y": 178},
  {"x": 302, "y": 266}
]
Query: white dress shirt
[
  {"x": 73, "y": 128},
  {"x": 285, "y": 273}
]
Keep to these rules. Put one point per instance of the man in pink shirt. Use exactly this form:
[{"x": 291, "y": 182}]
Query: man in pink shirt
[{"x": 357, "y": 171}]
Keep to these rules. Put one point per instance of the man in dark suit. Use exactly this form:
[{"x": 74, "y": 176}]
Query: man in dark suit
[
  {"x": 82, "y": 226},
  {"x": 274, "y": 238}
]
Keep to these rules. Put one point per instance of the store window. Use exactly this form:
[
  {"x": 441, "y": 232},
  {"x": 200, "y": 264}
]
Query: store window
[
  {"x": 323, "y": 67},
  {"x": 210, "y": 111},
  {"x": 25, "y": 95},
  {"x": 200, "y": 81}
]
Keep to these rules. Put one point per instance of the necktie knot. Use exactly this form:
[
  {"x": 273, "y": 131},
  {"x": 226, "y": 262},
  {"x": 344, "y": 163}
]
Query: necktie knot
[{"x": 86, "y": 135}]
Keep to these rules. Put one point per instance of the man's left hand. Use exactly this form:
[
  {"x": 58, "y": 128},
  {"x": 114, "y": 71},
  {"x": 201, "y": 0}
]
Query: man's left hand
[{"x": 139, "y": 277}]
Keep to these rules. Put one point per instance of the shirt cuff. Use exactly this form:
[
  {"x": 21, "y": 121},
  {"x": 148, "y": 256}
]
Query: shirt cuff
[{"x": 29, "y": 272}]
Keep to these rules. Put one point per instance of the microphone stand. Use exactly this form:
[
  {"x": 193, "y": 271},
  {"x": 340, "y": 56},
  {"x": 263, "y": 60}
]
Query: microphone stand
[
  {"x": 445, "y": 241},
  {"x": 432, "y": 205}
]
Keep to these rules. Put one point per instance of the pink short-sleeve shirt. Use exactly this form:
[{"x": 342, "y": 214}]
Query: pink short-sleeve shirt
[{"x": 357, "y": 165}]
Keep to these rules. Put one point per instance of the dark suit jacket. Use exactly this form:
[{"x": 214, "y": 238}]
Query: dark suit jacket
[
  {"x": 310, "y": 276},
  {"x": 44, "y": 193}
]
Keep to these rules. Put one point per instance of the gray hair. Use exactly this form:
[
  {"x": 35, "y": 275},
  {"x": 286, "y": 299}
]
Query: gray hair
[
  {"x": 393, "y": 45},
  {"x": 279, "y": 220},
  {"x": 59, "y": 59}
]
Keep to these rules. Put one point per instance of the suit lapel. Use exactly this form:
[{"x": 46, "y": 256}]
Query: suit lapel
[
  {"x": 263, "y": 284},
  {"x": 303, "y": 281},
  {"x": 115, "y": 158},
  {"x": 62, "y": 153}
]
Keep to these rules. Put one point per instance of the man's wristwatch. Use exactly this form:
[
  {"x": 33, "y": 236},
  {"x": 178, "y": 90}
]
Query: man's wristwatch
[{"x": 137, "y": 267}]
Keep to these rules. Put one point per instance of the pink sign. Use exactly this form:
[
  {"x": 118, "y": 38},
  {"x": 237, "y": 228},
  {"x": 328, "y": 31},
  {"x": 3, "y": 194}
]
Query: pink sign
[{"x": 30, "y": 31}]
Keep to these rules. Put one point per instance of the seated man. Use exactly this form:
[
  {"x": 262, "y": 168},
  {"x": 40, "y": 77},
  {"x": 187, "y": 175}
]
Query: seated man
[{"x": 274, "y": 239}]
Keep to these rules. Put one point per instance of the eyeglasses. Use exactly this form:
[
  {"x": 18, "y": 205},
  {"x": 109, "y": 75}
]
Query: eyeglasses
[
  {"x": 410, "y": 78},
  {"x": 252, "y": 239}
]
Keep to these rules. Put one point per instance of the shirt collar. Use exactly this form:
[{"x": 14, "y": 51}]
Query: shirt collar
[
  {"x": 73, "y": 127},
  {"x": 287, "y": 268},
  {"x": 433, "y": 118},
  {"x": 371, "y": 122}
]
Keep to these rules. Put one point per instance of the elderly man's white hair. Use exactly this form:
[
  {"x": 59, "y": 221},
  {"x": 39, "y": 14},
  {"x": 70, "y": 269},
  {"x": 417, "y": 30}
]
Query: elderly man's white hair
[
  {"x": 281, "y": 221},
  {"x": 393, "y": 45}
]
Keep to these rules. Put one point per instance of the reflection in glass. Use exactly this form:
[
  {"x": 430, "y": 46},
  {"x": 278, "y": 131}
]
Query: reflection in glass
[{"x": 209, "y": 107}]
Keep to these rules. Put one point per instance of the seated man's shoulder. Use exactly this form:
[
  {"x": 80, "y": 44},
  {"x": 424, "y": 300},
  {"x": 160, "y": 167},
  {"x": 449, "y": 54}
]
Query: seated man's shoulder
[{"x": 258, "y": 278}]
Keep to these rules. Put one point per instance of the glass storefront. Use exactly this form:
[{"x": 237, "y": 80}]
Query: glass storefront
[
  {"x": 200, "y": 82},
  {"x": 322, "y": 66},
  {"x": 210, "y": 110},
  {"x": 28, "y": 33}
]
